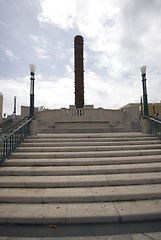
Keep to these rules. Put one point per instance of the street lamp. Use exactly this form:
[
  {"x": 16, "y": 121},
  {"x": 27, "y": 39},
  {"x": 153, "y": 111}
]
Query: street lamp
[
  {"x": 145, "y": 100},
  {"x": 14, "y": 104},
  {"x": 141, "y": 103},
  {"x": 32, "y": 72}
]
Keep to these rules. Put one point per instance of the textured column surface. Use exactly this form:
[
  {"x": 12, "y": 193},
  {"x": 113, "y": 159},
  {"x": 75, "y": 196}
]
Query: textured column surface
[{"x": 79, "y": 71}]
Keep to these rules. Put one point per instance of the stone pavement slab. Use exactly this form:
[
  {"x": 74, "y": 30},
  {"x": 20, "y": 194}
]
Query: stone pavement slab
[
  {"x": 79, "y": 231},
  {"x": 138, "y": 236}
]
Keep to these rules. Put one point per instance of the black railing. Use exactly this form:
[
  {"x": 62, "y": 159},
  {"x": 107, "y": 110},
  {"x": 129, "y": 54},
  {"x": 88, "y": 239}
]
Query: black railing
[
  {"x": 9, "y": 143},
  {"x": 155, "y": 126}
]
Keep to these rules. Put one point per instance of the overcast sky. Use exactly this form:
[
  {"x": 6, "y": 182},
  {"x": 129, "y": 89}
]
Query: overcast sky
[{"x": 120, "y": 36}]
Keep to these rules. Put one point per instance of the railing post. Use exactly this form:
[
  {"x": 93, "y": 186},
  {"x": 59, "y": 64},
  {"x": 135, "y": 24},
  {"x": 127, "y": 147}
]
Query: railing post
[
  {"x": 145, "y": 126},
  {"x": 33, "y": 127}
]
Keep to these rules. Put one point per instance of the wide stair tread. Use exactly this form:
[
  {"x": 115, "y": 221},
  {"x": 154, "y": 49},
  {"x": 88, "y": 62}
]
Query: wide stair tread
[
  {"x": 82, "y": 161},
  {"x": 81, "y": 180},
  {"x": 69, "y": 213},
  {"x": 87, "y": 148},
  {"x": 81, "y": 194},
  {"x": 83, "y": 170}
]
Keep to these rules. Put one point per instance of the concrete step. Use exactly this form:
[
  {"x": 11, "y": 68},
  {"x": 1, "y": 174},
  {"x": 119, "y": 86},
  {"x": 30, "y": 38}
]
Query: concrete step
[
  {"x": 72, "y": 213},
  {"x": 88, "y": 138},
  {"x": 86, "y": 148},
  {"x": 87, "y": 130},
  {"x": 88, "y": 143},
  {"x": 83, "y": 161},
  {"x": 80, "y": 170},
  {"x": 92, "y": 154},
  {"x": 93, "y": 135},
  {"x": 80, "y": 180},
  {"x": 78, "y": 195}
]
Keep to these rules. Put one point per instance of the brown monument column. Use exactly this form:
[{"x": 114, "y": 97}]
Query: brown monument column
[{"x": 79, "y": 71}]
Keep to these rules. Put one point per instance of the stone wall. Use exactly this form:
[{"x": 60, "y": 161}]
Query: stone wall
[
  {"x": 25, "y": 111},
  {"x": 132, "y": 112}
]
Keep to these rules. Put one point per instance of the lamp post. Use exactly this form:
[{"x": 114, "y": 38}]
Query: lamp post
[
  {"x": 14, "y": 104},
  {"x": 32, "y": 72},
  {"x": 141, "y": 103},
  {"x": 145, "y": 100}
]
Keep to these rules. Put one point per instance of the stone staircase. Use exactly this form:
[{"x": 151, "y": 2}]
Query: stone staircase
[{"x": 82, "y": 178}]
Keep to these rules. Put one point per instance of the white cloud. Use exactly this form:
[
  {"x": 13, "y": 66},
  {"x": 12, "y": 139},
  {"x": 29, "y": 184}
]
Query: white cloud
[
  {"x": 54, "y": 94},
  {"x": 41, "y": 46},
  {"x": 58, "y": 12},
  {"x": 18, "y": 87},
  {"x": 69, "y": 69},
  {"x": 109, "y": 93},
  {"x": 10, "y": 55},
  {"x": 41, "y": 53},
  {"x": 34, "y": 38}
]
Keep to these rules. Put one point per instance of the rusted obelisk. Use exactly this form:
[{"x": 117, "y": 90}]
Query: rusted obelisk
[{"x": 79, "y": 71}]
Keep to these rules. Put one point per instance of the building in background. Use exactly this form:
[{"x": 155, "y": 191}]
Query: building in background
[{"x": 153, "y": 108}]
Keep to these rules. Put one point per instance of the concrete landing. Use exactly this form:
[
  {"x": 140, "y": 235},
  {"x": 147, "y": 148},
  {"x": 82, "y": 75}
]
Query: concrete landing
[{"x": 103, "y": 231}]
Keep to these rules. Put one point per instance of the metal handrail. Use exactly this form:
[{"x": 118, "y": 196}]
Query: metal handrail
[
  {"x": 155, "y": 126},
  {"x": 11, "y": 126},
  {"x": 9, "y": 143}
]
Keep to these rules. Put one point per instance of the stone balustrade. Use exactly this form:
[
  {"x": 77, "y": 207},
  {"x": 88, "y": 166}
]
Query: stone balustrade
[{"x": 92, "y": 114}]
